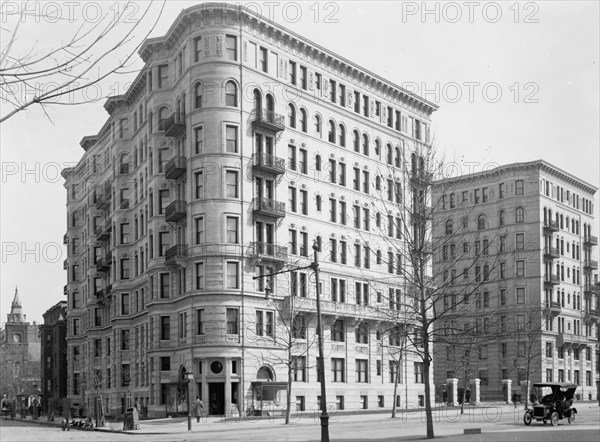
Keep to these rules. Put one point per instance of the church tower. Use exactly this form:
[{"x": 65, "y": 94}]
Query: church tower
[{"x": 16, "y": 310}]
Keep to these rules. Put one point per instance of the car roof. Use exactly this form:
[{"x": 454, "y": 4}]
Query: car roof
[{"x": 556, "y": 384}]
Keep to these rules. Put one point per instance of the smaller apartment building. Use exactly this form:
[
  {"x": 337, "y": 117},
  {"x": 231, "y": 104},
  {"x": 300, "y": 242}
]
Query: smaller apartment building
[{"x": 524, "y": 235}]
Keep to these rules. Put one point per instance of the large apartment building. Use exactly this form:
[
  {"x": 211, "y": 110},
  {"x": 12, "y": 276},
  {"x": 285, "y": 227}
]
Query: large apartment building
[
  {"x": 523, "y": 234},
  {"x": 237, "y": 147}
]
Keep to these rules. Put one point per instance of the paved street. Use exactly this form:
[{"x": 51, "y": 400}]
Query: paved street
[{"x": 498, "y": 423}]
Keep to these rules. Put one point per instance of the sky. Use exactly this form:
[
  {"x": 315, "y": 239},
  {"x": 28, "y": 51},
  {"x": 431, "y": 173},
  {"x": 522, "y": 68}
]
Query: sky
[{"x": 514, "y": 81}]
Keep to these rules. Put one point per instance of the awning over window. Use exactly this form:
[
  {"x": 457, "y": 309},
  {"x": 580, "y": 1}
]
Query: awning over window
[{"x": 267, "y": 390}]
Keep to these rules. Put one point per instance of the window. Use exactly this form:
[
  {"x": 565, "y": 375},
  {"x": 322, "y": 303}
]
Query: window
[
  {"x": 199, "y": 139},
  {"x": 303, "y": 121},
  {"x": 362, "y": 334},
  {"x": 299, "y": 327},
  {"x": 197, "y": 49},
  {"x": 199, "y": 185},
  {"x": 199, "y": 275},
  {"x": 230, "y": 94},
  {"x": 418, "y": 372},
  {"x": 548, "y": 349},
  {"x": 231, "y": 139},
  {"x": 165, "y": 328},
  {"x": 231, "y": 47},
  {"x": 199, "y": 229},
  {"x": 519, "y": 215},
  {"x": 481, "y": 222},
  {"x": 232, "y": 275},
  {"x": 338, "y": 331},
  {"x": 299, "y": 369},
  {"x": 520, "y": 295},
  {"x": 337, "y": 371},
  {"x": 291, "y": 116},
  {"x": 292, "y": 72},
  {"x": 331, "y": 134},
  {"x": 163, "y": 75},
  {"x": 520, "y": 268},
  {"x": 232, "y": 229},
  {"x": 519, "y": 187},
  {"x": 449, "y": 227},
  {"x": 263, "y": 59},
  {"x": 232, "y": 321},
  {"x": 231, "y": 184},
  {"x": 362, "y": 370},
  {"x": 501, "y": 218}
]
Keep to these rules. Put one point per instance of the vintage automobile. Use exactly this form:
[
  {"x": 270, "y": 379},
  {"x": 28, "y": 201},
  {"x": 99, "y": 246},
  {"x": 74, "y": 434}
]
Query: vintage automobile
[
  {"x": 555, "y": 405},
  {"x": 8, "y": 408}
]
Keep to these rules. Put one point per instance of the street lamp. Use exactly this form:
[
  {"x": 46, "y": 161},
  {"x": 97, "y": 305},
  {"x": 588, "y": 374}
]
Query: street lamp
[
  {"x": 321, "y": 365},
  {"x": 189, "y": 377}
]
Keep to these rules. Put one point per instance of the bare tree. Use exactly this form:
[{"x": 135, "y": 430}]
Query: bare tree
[
  {"x": 433, "y": 296},
  {"x": 35, "y": 74},
  {"x": 283, "y": 338}
]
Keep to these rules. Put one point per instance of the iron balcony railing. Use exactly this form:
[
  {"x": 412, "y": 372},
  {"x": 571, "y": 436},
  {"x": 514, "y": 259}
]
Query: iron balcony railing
[
  {"x": 172, "y": 254},
  {"x": 176, "y": 211},
  {"x": 551, "y": 226},
  {"x": 590, "y": 240},
  {"x": 175, "y": 167},
  {"x": 268, "y": 119},
  {"x": 551, "y": 252},
  {"x": 174, "y": 125},
  {"x": 269, "y": 207},
  {"x": 269, "y": 163},
  {"x": 265, "y": 250}
]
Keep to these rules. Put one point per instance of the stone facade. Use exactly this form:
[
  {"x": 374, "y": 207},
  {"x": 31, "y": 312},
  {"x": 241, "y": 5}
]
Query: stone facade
[
  {"x": 529, "y": 224},
  {"x": 53, "y": 336},
  {"x": 238, "y": 146}
]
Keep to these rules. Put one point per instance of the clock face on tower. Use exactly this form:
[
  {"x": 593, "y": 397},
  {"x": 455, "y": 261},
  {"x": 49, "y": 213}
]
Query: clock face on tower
[{"x": 17, "y": 339}]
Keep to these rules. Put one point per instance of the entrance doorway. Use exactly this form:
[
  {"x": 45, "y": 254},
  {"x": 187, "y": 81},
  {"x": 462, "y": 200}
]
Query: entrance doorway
[{"x": 216, "y": 398}]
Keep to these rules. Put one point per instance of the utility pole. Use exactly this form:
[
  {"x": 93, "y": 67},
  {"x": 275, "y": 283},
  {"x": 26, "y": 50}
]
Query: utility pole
[{"x": 321, "y": 365}]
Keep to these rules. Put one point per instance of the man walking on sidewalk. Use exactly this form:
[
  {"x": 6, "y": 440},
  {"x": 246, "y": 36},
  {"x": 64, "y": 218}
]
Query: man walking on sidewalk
[{"x": 198, "y": 408}]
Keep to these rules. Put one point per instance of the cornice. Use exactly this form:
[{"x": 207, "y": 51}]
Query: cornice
[{"x": 295, "y": 43}]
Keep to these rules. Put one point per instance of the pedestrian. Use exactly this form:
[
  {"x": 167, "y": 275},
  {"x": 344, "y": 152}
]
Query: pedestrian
[
  {"x": 514, "y": 398},
  {"x": 198, "y": 408}
]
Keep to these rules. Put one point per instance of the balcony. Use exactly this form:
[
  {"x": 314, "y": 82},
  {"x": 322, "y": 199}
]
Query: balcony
[
  {"x": 268, "y": 252},
  {"x": 570, "y": 339},
  {"x": 590, "y": 240},
  {"x": 592, "y": 314},
  {"x": 176, "y": 211},
  {"x": 103, "y": 201},
  {"x": 554, "y": 307},
  {"x": 267, "y": 119},
  {"x": 269, "y": 207},
  {"x": 591, "y": 289},
  {"x": 332, "y": 308},
  {"x": 551, "y": 253},
  {"x": 551, "y": 226},
  {"x": 65, "y": 239},
  {"x": 102, "y": 231},
  {"x": 175, "y": 167},
  {"x": 65, "y": 290},
  {"x": 65, "y": 264},
  {"x": 174, "y": 125},
  {"x": 174, "y": 254},
  {"x": 552, "y": 280},
  {"x": 103, "y": 264},
  {"x": 590, "y": 264},
  {"x": 269, "y": 163}
]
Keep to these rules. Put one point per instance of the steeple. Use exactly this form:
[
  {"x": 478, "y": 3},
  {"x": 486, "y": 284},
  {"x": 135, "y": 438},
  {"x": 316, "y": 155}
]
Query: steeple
[{"x": 16, "y": 311}]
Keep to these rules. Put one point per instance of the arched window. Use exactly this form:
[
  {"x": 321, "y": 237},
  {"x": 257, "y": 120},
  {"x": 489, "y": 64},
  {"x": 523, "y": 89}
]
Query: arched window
[
  {"x": 377, "y": 182},
  {"x": 318, "y": 201},
  {"x": 397, "y": 161},
  {"x": 365, "y": 144},
  {"x": 163, "y": 114},
  {"x": 291, "y": 116},
  {"x": 449, "y": 227},
  {"x": 413, "y": 163},
  {"x": 331, "y": 131},
  {"x": 378, "y": 148},
  {"x": 356, "y": 141},
  {"x": 318, "y": 163},
  {"x": 303, "y": 122},
  {"x": 198, "y": 96},
  {"x": 342, "y": 135},
  {"x": 562, "y": 222},
  {"x": 124, "y": 164},
  {"x": 501, "y": 218},
  {"x": 270, "y": 103},
  {"x": 257, "y": 102},
  {"x": 318, "y": 124},
  {"x": 389, "y": 153},
  {"x": 230, "y": 94},
  {"x": 378, "y": 219},
  {"x": 378, "y": 256},
  {"x": 519, "y": 215},
  {"x": 481, "y": 222},
  {"x": 319, "y": 242},
  {"x": 421, "y": 166}
]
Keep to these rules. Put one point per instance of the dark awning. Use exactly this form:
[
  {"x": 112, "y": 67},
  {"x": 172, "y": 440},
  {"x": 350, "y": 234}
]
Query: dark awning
[{"x": 267, "y": 389}]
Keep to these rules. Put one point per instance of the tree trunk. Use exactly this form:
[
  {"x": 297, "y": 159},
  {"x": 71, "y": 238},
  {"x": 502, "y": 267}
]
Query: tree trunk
[
  {"x": 288, "y": 400},
  {"x": 426, "y": 373},
  {"x": 395, "y": 387}
]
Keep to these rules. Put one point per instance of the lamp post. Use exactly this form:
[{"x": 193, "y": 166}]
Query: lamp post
[
  {"x": 321, "y": 366},
  {"x": 189, "y": 377}
]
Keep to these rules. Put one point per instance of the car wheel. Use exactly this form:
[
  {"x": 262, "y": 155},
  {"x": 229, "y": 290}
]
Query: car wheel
[
  {"x": 572, "y": 418},
  {"x": 554, "y": 419},
  {"x": 527, "y": 418}
]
